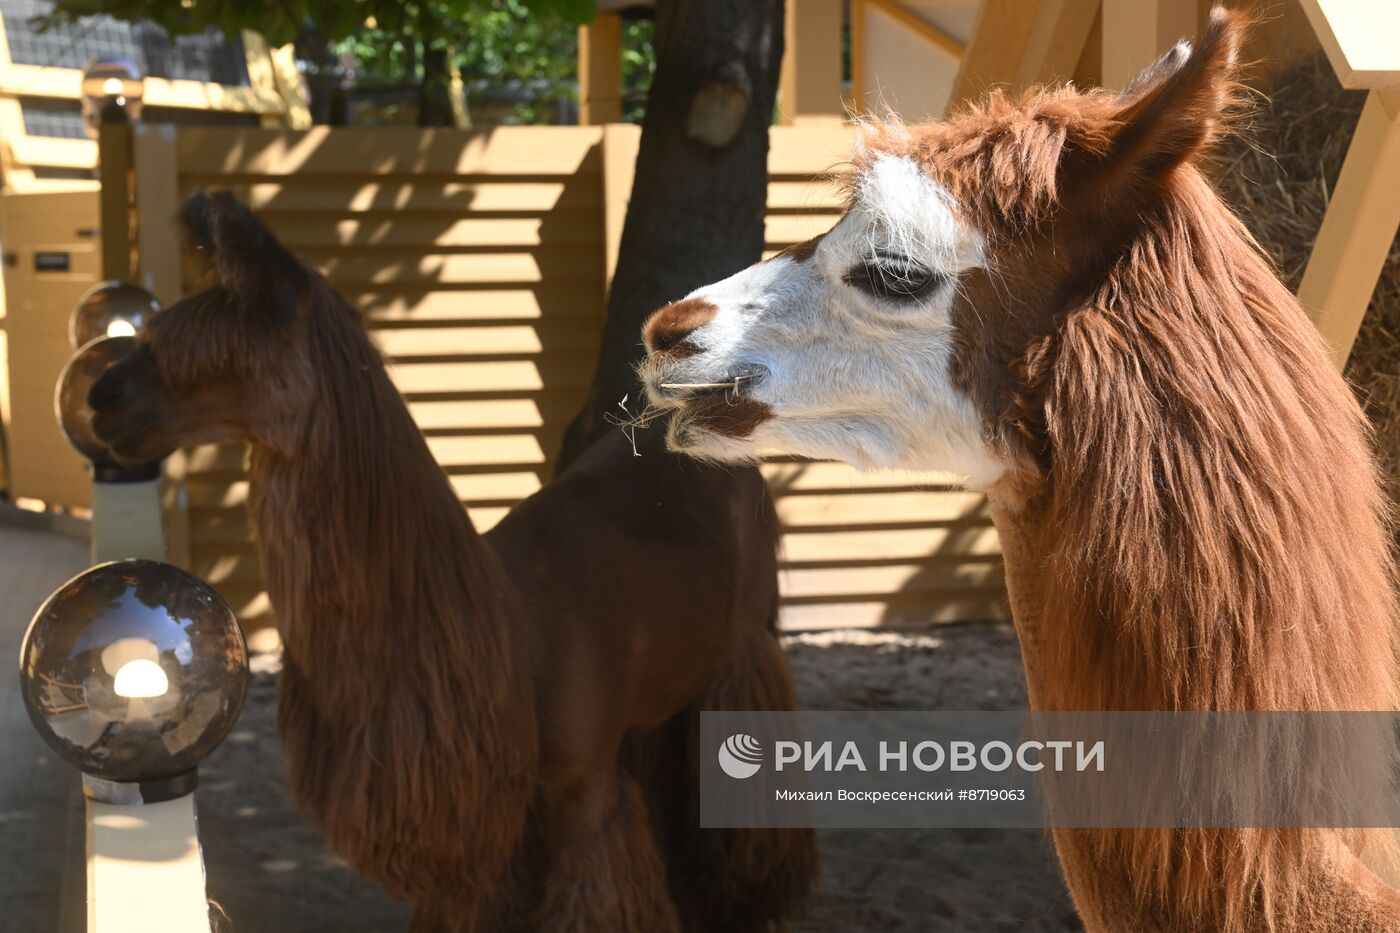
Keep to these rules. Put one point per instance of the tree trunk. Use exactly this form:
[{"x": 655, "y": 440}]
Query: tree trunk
[
  {"x": 701, "y": 186},
  {"x": 313, "y": 48},
  {"x": 435, "y": 94}
]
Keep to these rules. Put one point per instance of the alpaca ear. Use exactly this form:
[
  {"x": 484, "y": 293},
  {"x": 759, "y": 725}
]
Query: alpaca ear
[
  {"x": 243, "y": 254},
  {"x": 1174, "y": 109}
]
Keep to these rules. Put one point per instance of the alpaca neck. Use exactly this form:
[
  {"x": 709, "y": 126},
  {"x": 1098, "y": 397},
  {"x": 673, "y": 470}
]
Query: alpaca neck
[
  {"x": 1022, "y": 529},
  {"x": 372, "y": 563},
  {"x": 406, "y": 715}
]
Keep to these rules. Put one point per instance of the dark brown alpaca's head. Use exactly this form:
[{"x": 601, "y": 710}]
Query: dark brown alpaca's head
[{"x": 228, "y": 363}]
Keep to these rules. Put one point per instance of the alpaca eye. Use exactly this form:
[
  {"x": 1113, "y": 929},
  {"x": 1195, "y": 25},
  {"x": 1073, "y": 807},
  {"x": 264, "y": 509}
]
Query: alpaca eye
[{"x": 894, "y": 279}]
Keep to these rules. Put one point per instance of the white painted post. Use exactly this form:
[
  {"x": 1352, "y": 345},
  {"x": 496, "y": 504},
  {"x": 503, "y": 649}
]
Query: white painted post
[
  {"x": 145, "y": 873},
  {"x": 127, "y": 520}
]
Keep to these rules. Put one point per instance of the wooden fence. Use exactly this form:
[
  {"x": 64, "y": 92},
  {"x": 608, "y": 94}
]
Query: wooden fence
[{"x": 480, "y": 260}]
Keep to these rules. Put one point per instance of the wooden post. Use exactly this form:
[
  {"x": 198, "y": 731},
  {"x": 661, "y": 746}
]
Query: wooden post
[
  {"x": 145, "y": 873},
  {"x": 809, "y": 85},
  {"x": 1137, "y": 32},
  {"x": 114, "y": 170},
  {"x": 1358, "y": 228},
  {"x": 158, "y": 270},
  {"x": 600, "y": 70}
]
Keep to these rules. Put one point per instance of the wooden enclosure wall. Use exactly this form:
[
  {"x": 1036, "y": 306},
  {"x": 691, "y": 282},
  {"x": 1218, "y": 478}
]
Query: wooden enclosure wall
[
  {"x": 480, "y": 260},
  {"x": 51, "y": 258}
]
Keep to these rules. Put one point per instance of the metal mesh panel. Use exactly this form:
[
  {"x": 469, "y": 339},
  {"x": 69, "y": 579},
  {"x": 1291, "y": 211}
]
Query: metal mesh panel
[
  {"x": 46, "y": 116},
  {"x": 204, "y": 57}
]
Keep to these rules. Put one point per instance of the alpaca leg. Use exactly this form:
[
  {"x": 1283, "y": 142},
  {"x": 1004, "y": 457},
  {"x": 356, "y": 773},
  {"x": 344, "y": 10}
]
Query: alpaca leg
[
  {"x": 736, "y": 880},
  {"x": 605, "y": 873}
]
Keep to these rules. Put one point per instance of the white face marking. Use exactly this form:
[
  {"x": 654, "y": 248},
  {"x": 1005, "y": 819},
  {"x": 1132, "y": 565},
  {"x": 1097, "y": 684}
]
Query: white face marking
[{"x": 852, "y": 359}]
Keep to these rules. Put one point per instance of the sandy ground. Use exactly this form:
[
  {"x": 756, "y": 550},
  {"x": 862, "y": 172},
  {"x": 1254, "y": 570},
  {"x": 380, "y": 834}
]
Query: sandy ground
[{"x": 271, "y": 872}]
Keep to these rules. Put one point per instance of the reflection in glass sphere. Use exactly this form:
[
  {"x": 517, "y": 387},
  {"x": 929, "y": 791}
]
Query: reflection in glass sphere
[
  {"x": 70, "y": 400},
  {"x": 134, "y": 670},
  {"x": 114, "y": 84},
  {"x": 110, "y": 309}
]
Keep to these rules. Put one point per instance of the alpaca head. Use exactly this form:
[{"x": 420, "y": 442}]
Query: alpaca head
[
  {"x": 227, "y": 363},
  {"x": 905, "y": 336}
]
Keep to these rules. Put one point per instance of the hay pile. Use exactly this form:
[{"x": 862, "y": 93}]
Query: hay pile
[{"x": 1279, "y": 175}]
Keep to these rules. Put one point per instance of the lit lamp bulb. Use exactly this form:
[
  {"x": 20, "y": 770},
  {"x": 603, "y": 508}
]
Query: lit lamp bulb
[
  {"x": 134, "y": 671},
  {"x": 110, "y": 309},
  {"x": 113, "y": 88},
  {"x": 140, "y": 679}
]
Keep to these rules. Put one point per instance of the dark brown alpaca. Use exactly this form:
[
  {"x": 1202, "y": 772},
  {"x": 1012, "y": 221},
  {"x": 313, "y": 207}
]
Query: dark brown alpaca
[
  {"x": 1046, "y": 295},
  {"x": 499, "y": 730}
]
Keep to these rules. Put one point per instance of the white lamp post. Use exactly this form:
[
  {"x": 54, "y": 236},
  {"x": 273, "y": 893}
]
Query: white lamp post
[{"x": 134, "y": 671}]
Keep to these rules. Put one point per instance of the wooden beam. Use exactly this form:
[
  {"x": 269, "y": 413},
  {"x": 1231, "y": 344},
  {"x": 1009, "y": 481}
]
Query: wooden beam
[
  {"x": 1000, "y": 36},
  {"x": 114, "y": 167},
  {"x": 157, "y": 205},
  {"x": 919, "y": 27},
  {"x": 809, "y": 84},
  {"x": 1361, "y": 38},
  {"x": 1057, "y": 40},
  {"x": 1137, "y": 32},
  {"x": 39, "y": 81},
  {"x": 1358, "y": 228},
  {"x": 600, "y": 70}
]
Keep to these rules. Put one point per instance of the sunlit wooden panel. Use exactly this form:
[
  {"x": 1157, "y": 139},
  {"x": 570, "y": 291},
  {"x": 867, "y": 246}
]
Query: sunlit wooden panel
[
  {"x": 216, "y": 493},
  {"x": 220, "y": 526},
  {"x": 216, "y": 458},
  {"x": 925, "y": 577},
  {"x": 539, "y": 409},
  {"x": 566, "y": 334},
  {"x": 527, "y": 375},
  {"x": 390, "y": 150},
  {"x": 419, "y": 195},
  {"x": 545, "y": 264},
  {"x": 810, "y": 149},
  {"x": 796, "y": 228},
  {"x": 883, "y": 544},
  {"x": 476, "y": 451},
  {"x": 498, "y": 487},
  {"x": 815, "y": 195},
  {"x": 300, "y": 231},
  {"x": 902, "y": 508},
  {"x": 787, "y": 477},
  {"x": 497, "y": 302},
  {"x": 921, "y": 609}
]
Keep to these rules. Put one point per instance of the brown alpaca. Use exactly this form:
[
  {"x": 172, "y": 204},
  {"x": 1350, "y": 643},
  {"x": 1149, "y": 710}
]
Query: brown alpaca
[
  {"x": 500, "y": 730},
  {"x": 1046, "y": 295}
]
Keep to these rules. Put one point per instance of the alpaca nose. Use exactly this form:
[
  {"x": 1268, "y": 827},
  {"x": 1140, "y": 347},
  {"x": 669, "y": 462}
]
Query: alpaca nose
[{"x": 667, "y": 330}]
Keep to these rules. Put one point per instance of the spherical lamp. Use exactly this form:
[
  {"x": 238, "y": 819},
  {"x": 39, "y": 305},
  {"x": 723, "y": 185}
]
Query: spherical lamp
[
  {"x": 111, "y": 309},
  {"x": 75, "y": 415},
  {"x": 134, "y": 671},
  {"x": 112, "y": 88}
]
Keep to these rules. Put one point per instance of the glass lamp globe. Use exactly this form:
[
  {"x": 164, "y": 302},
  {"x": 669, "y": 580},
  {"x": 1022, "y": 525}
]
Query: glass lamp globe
[
  {"x": 134, "y": 671},
  {"x": 75, "y": 415},
  {"x": 110, "y": 309},
  {"x": 112, "y": 87}
]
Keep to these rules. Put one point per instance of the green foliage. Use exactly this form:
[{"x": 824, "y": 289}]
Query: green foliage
[
  {"x": 283, "y": 21},
  {"x": 517, "y": 58},
  {"x": 638, "y": 67}
]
